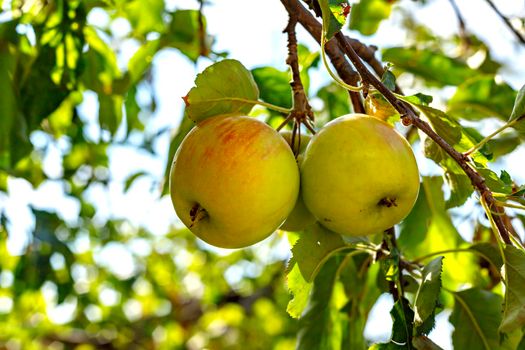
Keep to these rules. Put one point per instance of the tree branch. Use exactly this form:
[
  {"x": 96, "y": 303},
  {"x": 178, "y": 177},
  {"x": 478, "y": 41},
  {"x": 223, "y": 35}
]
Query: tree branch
[
  {"x": 204, "y": 50},
  {"x": 301, "y": 112},
  {"x": 518, "y": 35},
  {"x": 301, "y": 107},
  {"x": 462, "y": 27}
]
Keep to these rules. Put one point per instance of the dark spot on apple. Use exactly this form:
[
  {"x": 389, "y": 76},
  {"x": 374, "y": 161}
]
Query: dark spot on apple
[
  {"x": 387, "y": 202},
  {"x": 197, "y": 213},
  {"x": 327, "y": 220}
]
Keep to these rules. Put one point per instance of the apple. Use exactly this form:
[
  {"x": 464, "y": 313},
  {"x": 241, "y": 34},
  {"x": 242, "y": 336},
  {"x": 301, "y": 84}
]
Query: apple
[
  {"x": 233, "y": 181},
  {"x": 359, "y": 176},
  {"x": 300, "y": 218}
]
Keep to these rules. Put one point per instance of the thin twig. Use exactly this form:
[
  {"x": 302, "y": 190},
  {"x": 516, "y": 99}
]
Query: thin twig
[
  {"x": 520, "y": 37},
  {"x": 462, "y": 27},
  {"x": 204, "y": 50},
  {"x": 341, "y": 65},
  {"x": 301, "y": 107}
]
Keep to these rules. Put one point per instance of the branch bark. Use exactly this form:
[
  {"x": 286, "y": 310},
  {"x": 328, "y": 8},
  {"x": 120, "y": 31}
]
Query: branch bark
[
  {"x": 518, "y": 35},
  {"x": 345, "y": 70},
  {"x": 301, "y": 107},
  {"x": 462, "y": 27}
]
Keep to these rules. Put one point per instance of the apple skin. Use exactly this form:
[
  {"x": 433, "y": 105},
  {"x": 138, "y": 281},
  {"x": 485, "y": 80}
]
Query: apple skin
[
  {"x": 300, "y": 218},
  {"x": 233, "y": 181},
  {"x": 359, "y": 176}
]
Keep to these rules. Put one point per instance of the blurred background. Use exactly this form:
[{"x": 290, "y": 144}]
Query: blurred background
[{"x": 91, "y": 252}]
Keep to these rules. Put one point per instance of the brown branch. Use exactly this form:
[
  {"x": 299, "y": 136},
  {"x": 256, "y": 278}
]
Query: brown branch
[
  {"x": 518, "y": 35},
  {"x": 345, "y": 70},
  {"x": 204, "y": 50},
  {"x": 410, "y": 117},
  {"x": 300, "y": 102},
  {"x": 462, "y": 27},
  {"x": 302, "y": 111}
]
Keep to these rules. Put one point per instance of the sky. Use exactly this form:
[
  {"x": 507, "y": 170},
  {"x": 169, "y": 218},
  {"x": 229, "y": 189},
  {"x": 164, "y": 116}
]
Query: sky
[{"x": 255, "y": 40}]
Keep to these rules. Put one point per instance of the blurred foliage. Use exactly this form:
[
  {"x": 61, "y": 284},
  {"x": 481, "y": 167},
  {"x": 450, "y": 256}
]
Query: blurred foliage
[{"x": 66, "y": 289}]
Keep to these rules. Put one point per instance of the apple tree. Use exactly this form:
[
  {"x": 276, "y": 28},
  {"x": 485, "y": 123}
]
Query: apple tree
[{"x": 77, "y": 273}]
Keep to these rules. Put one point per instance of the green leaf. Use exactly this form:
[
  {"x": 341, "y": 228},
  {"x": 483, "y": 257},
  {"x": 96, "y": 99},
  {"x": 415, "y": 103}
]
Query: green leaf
[
  {"x": 141, "y": 60},
  {"x": 61, "y": 119},
  {"x": 274, "y": 86},
  {"x": 100, "y": 64},
  {"x": 211, "y": 96},
  {"x": 319, "y": 326},
  {"x": 493, "y": 181},
  {"x": 476, "y": 317},
  {"x": 402, "y": 316},
  {"x": 335, "y": 101},
  {"x": 489, "y": 252},
  {"x": 419, "y": 99},
  {"x": 333, "y": 16},
  {"x": 110, "y": 112},
  {"x": 366, "y": 15},
  {"x": 35, "y": 105},
  {"x": 503, "y": 144},
  {"x": 84, "y": 153},
  {"x": 184, "y": 34},
  {"x": 518, "y": 111},
  {"x": 132, "y": 111},
  {"x": 434, "y": 67},
  {"x": 299, "y": 289},
  {"x": 389, "y": 79},
  {"x": 428, "y": 229},
  {"x": 358, "y": 278},
  {"x": 514, "y": 274},
  {"x": 14, "y": 140},
  {"x": 482, "y": 97},
  {"x": 428, "y": 293},
  {"x": 429, "y": 324},
  {"x": 505, "y": 177},
  {"x": 460, "y": 186},
  {"x": 130, "y": 179},
  {"x": 3, "y": 182},
  {"x": 445, "y": 126},
  {"x": 34, "y": 267},
  {"x": 30, "y": 168},
  {"x": 315, "y": 245},
  {"x": 145, "y": 17}
]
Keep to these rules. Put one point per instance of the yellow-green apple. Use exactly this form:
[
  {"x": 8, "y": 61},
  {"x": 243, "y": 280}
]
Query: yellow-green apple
[
  {"x": 359, "y": 176},
  {"x": 300, "y": 218},
  {"x": 233, "y": 181}
]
